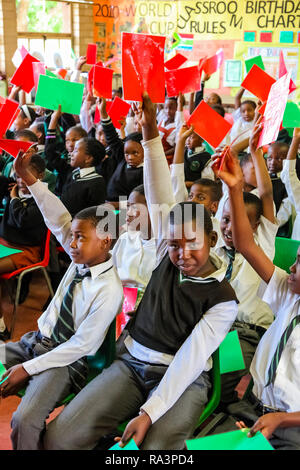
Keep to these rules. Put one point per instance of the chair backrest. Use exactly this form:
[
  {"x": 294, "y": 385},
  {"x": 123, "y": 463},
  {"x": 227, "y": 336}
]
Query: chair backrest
[
  {"x": 44, "y": 262},
  {"x": 285, "y": 252},
  {"x": 105, "y": 354}
]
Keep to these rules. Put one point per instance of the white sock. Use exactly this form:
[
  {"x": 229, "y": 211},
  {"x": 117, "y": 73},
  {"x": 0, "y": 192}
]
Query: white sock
[{"x": 2, "y": 325}]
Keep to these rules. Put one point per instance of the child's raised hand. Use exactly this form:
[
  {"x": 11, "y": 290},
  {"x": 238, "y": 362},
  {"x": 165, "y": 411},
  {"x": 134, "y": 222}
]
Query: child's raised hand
[
  {"x": 231, "y": 172},
  {"x": 296, "y": 132},
  {"x": 101, "y": 103},
  {"x": 148, "y": 118},
  {"x": 13, "y": 190},
  {"x": 254, "y": 138},
  {"x": 184, "y": 132},
  {"x": 21, "y": 167},
  {"x": 180, "y": 102},
  {"x": 81, "y": 61}
]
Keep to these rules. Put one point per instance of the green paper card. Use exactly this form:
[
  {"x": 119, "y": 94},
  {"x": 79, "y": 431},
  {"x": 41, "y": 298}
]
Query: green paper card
[
  {"x": 234, "y": 440},
  {"x": 5, "y": 251},
  {"x": 2, "y": 371},
  {"x": 291, "y": 116},
  {"x": 130, "y": 446},
  {"x": 254, "y": 60},
  {"x": 231, "y": 356},
  {"x": 53, "y": 92},
  {"x": 50, "y": 74}
]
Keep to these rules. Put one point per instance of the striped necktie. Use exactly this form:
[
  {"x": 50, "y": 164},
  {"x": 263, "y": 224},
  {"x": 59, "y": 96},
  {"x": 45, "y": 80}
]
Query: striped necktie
[
  {"x": 280, "y": 347},
  {"x": 231, "y": 255},
  {"x": 76, "y": 174},
  {"x": 64, "y": 329}
]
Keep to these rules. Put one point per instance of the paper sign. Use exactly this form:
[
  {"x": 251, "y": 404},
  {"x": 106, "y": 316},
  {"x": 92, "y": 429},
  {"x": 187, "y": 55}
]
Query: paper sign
[
  {"x": 143, "y": 66},
  {"x": 50, "y": 74},
  {"x": 91, "y": 54},
  {"x": 131, "y": 445},
  {"x": 38, "y": 69},
  {"x": 175, "y": 62},
  {"x": 102, "y": 82},
  {"x": 184, "y": 80},
  {"x": 118, "y": 109},
  {"x": 291, "y": 116},
  {"x": 62, "y": 73},
  {"x": 249, "y": 36},
  {"x": 231, "y": 355},
  {"x": 258, "y": 82},
  {"x": 213, "y": 63},
  {"x": 266, "y": 36},
  {"x": 7, "y": 113},
  {"x": 283, "y": 71},
  {"x": 232, "y": 73},
  {"x": 18, "y": 56},
  {"x": 6, "y": 251},
  {"x": 275, "y": 107},
  {"x": 53, "y": 92},
  {"x": 254, "y": 60},
  {"x": 23, "y": 76},
  {"x": 13, "y": 147},
  {"x": 234, "y": 440},
  {"x": 97, "y": 117},
  {"x": 209, "y": 124},
  {"x": 286, "y": 36}
]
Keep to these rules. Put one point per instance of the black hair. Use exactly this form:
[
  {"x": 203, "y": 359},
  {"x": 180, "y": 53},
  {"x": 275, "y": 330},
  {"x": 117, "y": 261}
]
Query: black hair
[
  {"x": 283, "y": 145},
  {"x": 171, "y": 98},
  {"x": 40, "y": 126},
  {"x": 215, "y": 187},
  {"x": 252, "y": 103},
  {"x": 253, "y": 200},
  {"x": 31, "y": 111},
  {"x": 27, "y": 133},
  {"x": 219, "y": 109},
  {"x": 135, "y": 136},
  {"x": 139, "y": 189},
  {"x": 79, "y": 130},
  {"x": 245, "y": 158},
  {"x": 219, "y": 99},
  {"x": 187, "y": 211},
  {"x": 96, "y": 214},
  {"x": 95, "y": 149},
  {"x": 38, "y": 163}
]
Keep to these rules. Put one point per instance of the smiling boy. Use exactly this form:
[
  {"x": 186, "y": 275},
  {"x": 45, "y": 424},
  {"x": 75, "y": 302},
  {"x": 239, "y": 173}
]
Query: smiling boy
[{"x": 51, "y": 360}]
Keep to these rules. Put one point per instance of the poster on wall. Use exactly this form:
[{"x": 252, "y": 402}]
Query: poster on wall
[{"x": 197, "y": 28}]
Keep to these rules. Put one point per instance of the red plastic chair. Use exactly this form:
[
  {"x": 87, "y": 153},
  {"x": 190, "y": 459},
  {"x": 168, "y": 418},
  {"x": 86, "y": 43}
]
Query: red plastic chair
[{"x": 20, "y": 273}]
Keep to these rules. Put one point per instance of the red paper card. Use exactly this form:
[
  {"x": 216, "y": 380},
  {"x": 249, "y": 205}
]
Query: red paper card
[
  {"x": 13, "y": 147},
  {"x": 258, "y": 82},
  {"x": 283, "y": 71},
  {"x": 143, "y": 66},
  {"x": 175, "y": 62},
  {"x": 184, "y": 80},
  {"x": 275, "y": 107},
  {"x": 102, "y": 85},
  {"x": 209, "y": 124},
  {"x": 97, "y": 117},
  {"x": 117, "y": 110},
  {"x": 213, "y": 63},
  {"x": 38, "y": 69},
  {"x": 23, "y": 76},
  {"x": 62, "y": 73},
  {"x": 91, "y": 54},
  {"x": 7, "y": 114}
]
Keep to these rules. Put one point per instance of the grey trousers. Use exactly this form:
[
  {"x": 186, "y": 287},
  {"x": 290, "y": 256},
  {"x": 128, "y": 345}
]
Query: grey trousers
[
  {"x": 115, "y": 396},
  {"x": 44, "y": 391}
]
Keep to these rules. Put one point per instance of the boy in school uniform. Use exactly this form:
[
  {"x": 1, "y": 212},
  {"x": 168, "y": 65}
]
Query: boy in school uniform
[
  {"x": 161, "y": 369},
  {"x": 273, "y": 405},
  {"x": 51, "y": 361},
  {"x": 291, "y": 181}
]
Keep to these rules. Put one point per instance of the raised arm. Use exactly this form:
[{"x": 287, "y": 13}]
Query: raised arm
[
  {"x": 263, "y": 179},
  {"x": 238, "y": 98},
  {"x": 288, "y": 175},
  {"x": 56, "y": 216},
  {"x": 177, "y": 167},
  {"x": 242, "y": 232}
]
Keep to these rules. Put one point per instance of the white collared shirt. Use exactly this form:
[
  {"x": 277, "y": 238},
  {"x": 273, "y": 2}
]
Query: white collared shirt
[
  {"x": 285, "y": 392},
  {"x": 292, "y": 184},
  {"x": 194, "y": 355},
  {"x": 96, "y": 300},
  {"x": 134, "y": 259}
]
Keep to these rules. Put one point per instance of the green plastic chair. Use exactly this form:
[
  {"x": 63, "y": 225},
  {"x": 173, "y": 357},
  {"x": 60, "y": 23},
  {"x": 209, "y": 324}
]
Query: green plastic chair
[
  {"x": 285, "y": 252},
  {"x": 101, "y": 360}
]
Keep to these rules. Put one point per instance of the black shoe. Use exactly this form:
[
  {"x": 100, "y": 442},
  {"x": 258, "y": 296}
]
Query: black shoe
[{"x": 4, "y": 335}]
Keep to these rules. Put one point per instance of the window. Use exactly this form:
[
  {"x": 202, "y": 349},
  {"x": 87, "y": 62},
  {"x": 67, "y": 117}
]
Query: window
[{"x": 44, "y": 29}]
